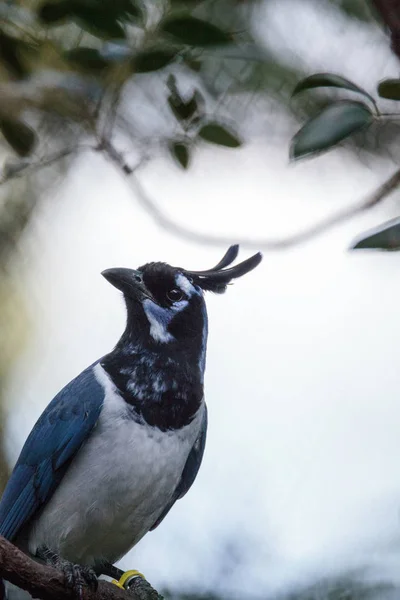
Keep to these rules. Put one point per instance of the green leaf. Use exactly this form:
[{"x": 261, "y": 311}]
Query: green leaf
[
  {"x": 384, "y": 237},
  {"x": 335, "y": 123},
  {"x": 10, "y": 52},
  {"x": 98, "y": 21},
  {"x": 153, "y": 60},
  {"x": 100, "y": 18},
  {"x": 329, "y": 80},
  {"x": 126, "y": 9},
  {"x": 20, "y": 137},
  {"x": 180, "y": 153},
  {"x": 195, "y": 32},
  {"x": 87, "y": 58},
  {"x": 184, "y": 110},
  {"x": 171, "y": 84},
  {"x": 390, "y": 89},
  {"x": 53, "y": 12},
  {"x": 217, "y": 134},
  {"x": 193, "y": 64},
  {"x": 358, "y": 9}
]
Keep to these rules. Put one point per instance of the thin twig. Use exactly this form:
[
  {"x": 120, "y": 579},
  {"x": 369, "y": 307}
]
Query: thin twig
[
  {"x": 167, "y": 223},
  {"x": 182, "y": 231},
  {"x": 23, "y": 168}
]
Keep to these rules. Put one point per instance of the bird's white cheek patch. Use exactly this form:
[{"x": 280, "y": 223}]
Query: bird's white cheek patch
[{"x": 159, "y": 319}]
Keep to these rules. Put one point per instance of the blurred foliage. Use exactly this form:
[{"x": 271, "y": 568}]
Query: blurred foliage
[
  {"x": 346, "y": 587},
  {"x": 69, "y": 75},
  {"x": 13, "y": 329},
  {"x": 73, "y": 60},
  {"x": 384, "y": 237},
  {"x": 350, "y": 587},
  {"x": 189, "y": 596},
  {"x": 342, "y": 119},
  {"x": 16, "y": 207},
  {"x": 70, "y": 62}
]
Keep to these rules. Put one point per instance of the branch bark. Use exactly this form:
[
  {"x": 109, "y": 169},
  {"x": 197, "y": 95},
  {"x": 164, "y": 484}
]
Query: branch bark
[{"x": 47, "y": 583}]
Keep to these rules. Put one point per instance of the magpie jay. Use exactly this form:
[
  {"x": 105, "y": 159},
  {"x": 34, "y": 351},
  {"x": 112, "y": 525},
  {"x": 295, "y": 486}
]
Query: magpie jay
[{"x": 123, "y": 441}]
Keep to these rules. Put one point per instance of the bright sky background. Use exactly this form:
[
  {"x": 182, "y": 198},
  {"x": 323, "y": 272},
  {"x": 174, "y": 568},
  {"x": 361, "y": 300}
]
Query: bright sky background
[{"x": 301, "y": 474}]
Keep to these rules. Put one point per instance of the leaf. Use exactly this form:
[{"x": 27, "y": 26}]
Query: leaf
[
  {"x": 184, "y": 110},
  {"x": 10, "y": 53},
  {"x": 153, "y": 60},
  {"x": 87, "y": 58},
  {"x": 20, "y": 137},
  {"x": 335, "y": 123},
  {"x": 195, "y": 32},
  {"x": 390, "y": 89},
  {"x": 384, "y": 237},
  {"x": 100, "y": 18},
  {"x": 180, "y": 153},
  {"x": 193, "y": 64},
  {"x": 329, "y": 80},
  {"x": 171, "y": 83},
  {"x": 357, "y": 9},
  {"x": 126, "y": 9},
  {"x": 97, "y": 20},
  {"x": 217, "y": 134},
  {"x": 53, "y": 12}
]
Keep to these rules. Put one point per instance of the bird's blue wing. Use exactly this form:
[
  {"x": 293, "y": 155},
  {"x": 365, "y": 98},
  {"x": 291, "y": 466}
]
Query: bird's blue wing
[
  {"x": 190, "y": 469},
  {"x": 52, "y": 443}
]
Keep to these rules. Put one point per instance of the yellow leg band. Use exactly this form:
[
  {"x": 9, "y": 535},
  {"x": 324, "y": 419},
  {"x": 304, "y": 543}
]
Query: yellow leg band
[{"x": 127, "y": 577}]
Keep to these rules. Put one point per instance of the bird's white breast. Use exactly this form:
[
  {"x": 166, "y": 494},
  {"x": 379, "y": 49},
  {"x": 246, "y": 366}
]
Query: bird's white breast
[{"x": 117, "y": 485}]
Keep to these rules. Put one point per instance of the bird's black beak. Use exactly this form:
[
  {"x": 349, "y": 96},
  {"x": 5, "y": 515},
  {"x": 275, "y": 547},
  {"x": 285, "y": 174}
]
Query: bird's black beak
[{"x": 128, "y": 281}]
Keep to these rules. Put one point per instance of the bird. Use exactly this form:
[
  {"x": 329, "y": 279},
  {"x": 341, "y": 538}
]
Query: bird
[{"x": 123, "y": 441}]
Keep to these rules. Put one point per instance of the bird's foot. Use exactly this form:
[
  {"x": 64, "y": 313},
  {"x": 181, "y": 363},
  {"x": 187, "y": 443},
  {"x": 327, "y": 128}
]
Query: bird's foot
[{"x": 76, "y": 576}]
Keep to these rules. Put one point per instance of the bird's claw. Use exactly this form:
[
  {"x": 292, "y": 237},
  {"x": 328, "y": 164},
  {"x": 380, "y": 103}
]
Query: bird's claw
[{"x": 76, "y": 576}]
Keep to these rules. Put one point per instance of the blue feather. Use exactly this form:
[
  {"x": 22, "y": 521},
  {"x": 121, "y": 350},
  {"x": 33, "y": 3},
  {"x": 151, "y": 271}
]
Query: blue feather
[{"x": 53, "y": 442}]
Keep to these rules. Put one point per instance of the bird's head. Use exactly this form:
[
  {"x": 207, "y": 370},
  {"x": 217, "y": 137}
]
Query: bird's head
[{"x": 165, "y": 304}]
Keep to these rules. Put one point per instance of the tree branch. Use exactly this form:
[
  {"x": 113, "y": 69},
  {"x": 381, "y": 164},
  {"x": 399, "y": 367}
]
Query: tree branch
[
  {"x": 47, "y": 583},
  {"x": 182, "y": 231},
  {"x": 24, "y": 167},
  {"x": 167, "y": 223}
]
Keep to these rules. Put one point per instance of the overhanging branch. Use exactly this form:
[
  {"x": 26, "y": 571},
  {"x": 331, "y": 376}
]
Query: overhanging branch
[
  {"x": 182, "y": 231},
  {"x": 262, "y": 243},
  {"x": 162, "y": 219}
]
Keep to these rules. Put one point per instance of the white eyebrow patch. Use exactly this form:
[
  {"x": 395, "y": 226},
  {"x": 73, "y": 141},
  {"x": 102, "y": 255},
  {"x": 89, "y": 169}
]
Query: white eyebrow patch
[{"x": 184, "y": 284}]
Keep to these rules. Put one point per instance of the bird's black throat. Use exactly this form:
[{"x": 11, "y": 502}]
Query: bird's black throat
[{"x": 163, "y": 391}]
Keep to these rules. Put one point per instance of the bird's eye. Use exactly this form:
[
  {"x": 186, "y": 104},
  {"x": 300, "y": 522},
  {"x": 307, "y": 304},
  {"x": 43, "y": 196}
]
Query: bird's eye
[{"x": 175, "y": 295}]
